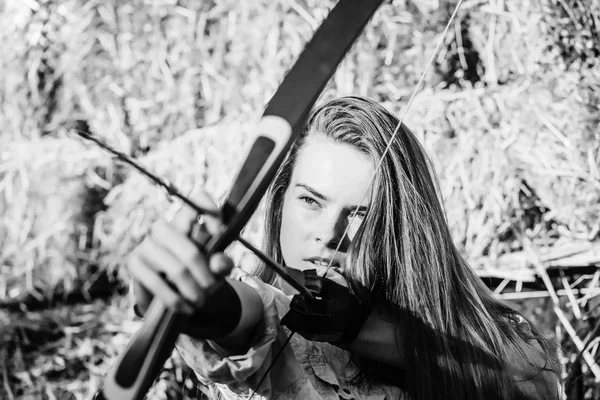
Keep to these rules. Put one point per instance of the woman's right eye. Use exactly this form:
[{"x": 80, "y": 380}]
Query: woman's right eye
[{"x": 309, "y": 201}]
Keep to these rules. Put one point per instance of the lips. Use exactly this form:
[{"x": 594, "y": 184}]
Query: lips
[{"x": 323, "y": 262}]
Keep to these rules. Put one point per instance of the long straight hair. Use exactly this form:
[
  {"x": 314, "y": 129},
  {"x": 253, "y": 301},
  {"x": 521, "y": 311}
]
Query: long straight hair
[{"x": 455, "y": 336}]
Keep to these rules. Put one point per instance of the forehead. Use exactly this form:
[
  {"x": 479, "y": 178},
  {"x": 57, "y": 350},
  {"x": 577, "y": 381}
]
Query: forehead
[{"x": 333, "y": 168}]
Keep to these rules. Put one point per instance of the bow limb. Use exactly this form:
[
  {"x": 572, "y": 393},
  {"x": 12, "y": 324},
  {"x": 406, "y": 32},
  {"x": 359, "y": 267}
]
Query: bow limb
[{"x": 135, "y": 370}]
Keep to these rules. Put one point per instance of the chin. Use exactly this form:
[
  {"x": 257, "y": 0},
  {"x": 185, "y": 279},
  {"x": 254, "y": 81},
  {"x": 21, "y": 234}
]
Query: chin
[{"x": 303, "y": 266}]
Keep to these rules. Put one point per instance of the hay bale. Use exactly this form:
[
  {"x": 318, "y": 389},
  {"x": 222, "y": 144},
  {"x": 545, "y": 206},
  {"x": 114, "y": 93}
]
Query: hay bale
[{"x": 44, "y": 234}]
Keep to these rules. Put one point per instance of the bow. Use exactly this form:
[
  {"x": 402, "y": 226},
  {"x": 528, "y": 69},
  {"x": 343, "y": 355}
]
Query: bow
[{"x": 137, "y": 367}]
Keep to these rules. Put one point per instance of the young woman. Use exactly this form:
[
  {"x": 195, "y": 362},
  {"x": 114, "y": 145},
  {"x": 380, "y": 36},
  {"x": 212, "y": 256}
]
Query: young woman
[{"x": 371, "y": 219}]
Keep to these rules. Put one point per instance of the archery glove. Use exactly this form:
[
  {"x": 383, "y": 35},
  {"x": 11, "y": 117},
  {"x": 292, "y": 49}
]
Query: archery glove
[{"x": 335, "y": 315}]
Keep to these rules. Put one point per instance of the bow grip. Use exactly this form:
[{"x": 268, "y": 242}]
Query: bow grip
[{"x": 136, "y": 368}]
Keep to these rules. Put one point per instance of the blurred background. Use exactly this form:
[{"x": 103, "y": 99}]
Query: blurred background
[{"x": 509, "y": 113}]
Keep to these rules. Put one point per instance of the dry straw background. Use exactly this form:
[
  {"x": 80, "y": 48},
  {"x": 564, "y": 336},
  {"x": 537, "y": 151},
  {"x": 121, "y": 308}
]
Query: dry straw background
[{"x": 509, "y": 114}]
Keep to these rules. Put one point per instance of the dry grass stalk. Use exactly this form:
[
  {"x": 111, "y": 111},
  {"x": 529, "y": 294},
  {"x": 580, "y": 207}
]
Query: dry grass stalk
[
  {"x": 536, "y": 294},
  {"x": 589, "y": 359},
  {"x": 592, "y": 284},
  {"x": 572, "y": 299}
]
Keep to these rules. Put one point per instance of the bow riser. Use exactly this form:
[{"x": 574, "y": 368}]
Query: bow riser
[{"x": 266, "y": 154}]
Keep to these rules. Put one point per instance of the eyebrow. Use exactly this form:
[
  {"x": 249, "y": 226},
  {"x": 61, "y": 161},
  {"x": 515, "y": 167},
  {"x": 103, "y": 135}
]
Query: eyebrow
[
  {"x": 312, "y": 191},
  {"x": 325, "y": 198}
]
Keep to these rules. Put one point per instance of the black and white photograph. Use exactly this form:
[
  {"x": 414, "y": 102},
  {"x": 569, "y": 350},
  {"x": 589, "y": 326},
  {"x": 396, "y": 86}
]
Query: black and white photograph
[{"x": 299, "y": 199}]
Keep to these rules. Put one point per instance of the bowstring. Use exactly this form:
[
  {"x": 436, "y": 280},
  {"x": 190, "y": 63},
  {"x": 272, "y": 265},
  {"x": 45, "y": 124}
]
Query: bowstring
[{"x": 395, "y": 133}]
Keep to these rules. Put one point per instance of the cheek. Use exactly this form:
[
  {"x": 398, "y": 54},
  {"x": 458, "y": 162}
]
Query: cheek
[{"x": 290, "y": 234}]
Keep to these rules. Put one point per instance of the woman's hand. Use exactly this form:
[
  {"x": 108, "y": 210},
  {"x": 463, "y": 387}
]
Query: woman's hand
[
  {"x": 173, "y": 267},
  {"x": 336, "y": 315}
]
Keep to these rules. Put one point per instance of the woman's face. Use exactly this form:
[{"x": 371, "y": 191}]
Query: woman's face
[{"x": 329, "y": 182}]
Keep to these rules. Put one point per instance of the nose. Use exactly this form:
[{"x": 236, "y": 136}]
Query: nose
[{"x": 330, "y": 231}]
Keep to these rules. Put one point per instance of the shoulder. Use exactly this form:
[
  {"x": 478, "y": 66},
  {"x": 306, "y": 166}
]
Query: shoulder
[{"x": 530, "y": 363}]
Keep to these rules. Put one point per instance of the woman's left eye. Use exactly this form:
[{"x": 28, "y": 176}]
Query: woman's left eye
[{"x": 358, "y": 215}]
